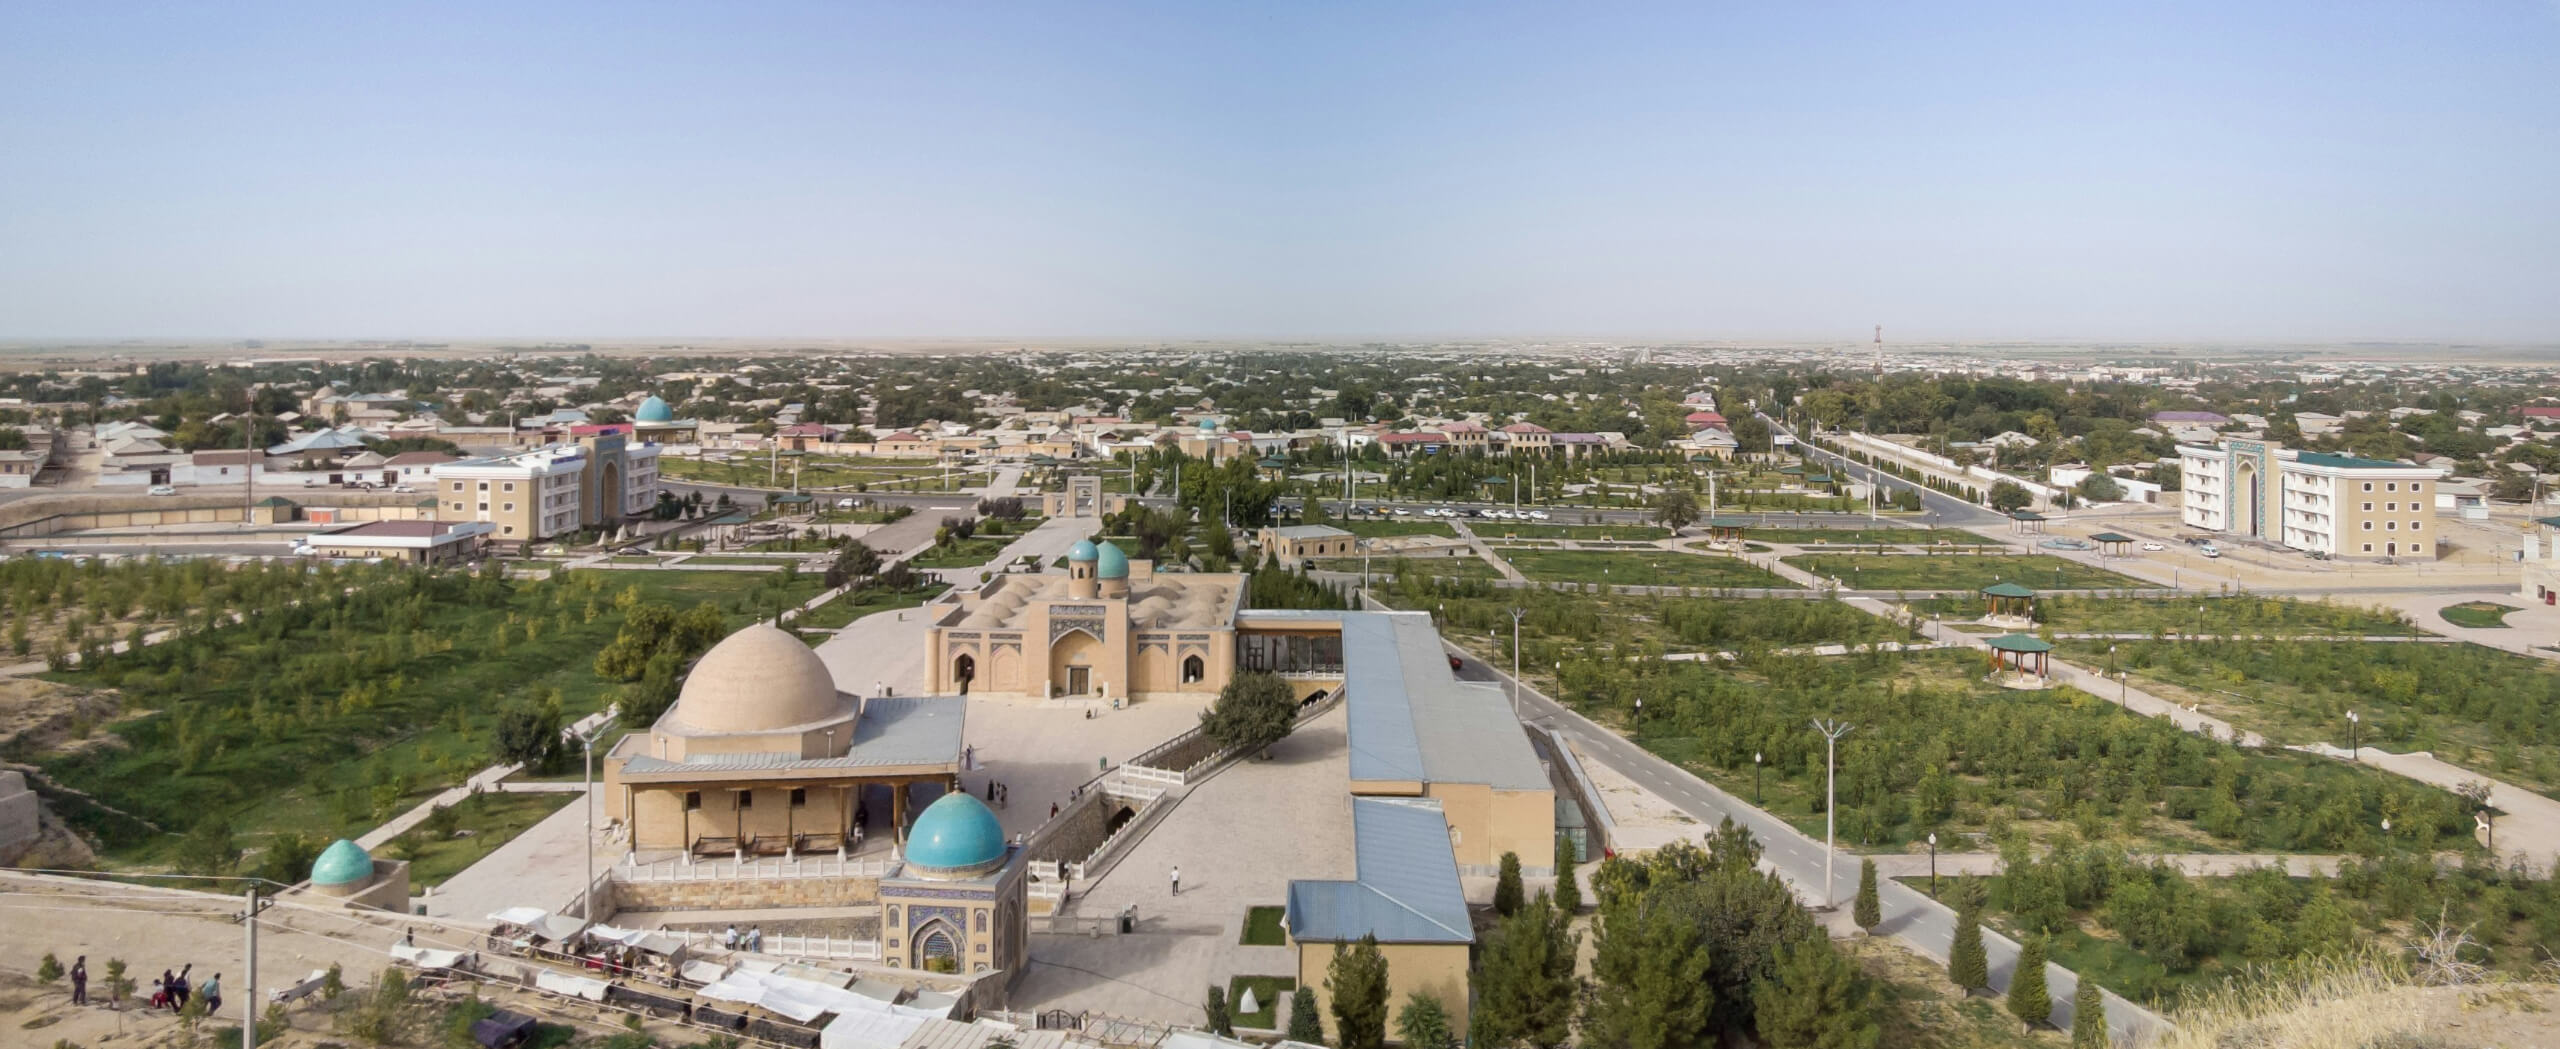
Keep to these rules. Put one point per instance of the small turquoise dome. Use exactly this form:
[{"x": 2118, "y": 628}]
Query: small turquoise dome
[
  {"x": 343, "y": 863},
  {"x": 654, "y": 410},
  {"x": 1114, "y": 564},
  {"x": 1083, "y": 551},
  {"x": 956, "y": 837},
  {"x": 1208, "y": 425}
]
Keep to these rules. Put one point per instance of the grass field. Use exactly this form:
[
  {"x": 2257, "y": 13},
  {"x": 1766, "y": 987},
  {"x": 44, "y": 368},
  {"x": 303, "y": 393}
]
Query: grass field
[
  {"x": 1550, "y": 530},
  {"x": 1868, "y": 536},
  {"x": 2477, "y": 614},
  {"x": 965, "y": 553},
  {"x": 493, "y": 819},
  {"x": 1376, "y": 529},
  {"x": 2240, "y": 614},
  {"x": 1268, "y": 992},
  {"x": 853, "y": 605},
  {"x": 816, "y": 473},
  {"x": 1561, "y": 624},
  {"x": 1467, "y": 566},
  {"x": 1666, "y": 568},
  {"x": 1960, "y": 571},
  {"x": 1262, "y": 927},
  {"x": 324, "y": 720}
]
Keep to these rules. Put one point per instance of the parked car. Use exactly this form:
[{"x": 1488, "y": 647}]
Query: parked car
[
  {"x": 1537, "y": 515},
  {"x": 402, "y": 488},
  {"x": 2210, "y": 550},
  {"x": 163, "y": 489},
  {"x": 2153, "y": 547}
]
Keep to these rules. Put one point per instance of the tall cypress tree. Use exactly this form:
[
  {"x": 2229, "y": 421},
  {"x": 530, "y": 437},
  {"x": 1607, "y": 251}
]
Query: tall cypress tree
[
  {"x": 1650, "y": 973},
  {"x": 1525, "y": 983},
  {"x": 1305, "y": 1025},
  {"x": 1357, "y": 983},
  {"x": 1966, "y": 964},
  {"x": 1506, "y": 886},
  {"x": 2029, "y": 1001},
  {"x": 1817, "y": 1000},
  {"x": 2088, "y": 1017},
  {"x": 1568, "y": 885},
  {"x": 1870, "y": 907}
]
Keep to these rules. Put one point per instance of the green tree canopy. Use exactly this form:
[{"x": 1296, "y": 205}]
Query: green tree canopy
[
  {"x": 2029, "y": 1001},
  {"x": 1525, "y": 983},
  {"x": 1357, "y": 985},
  {"x": 1817, "y": 1000},
  {"x": 1254, "y": 711}
]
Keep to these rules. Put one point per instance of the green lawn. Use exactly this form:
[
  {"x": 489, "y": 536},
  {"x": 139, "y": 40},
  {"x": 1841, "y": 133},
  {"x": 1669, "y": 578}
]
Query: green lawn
[
  {"x": 325, "y": 720},
  {"x": 491, "y": 818},
  {"x": 815, "y": 472},
  {"x": 855, "y": 604},
  {"x": 1960, "y": 571},
  {"x": 761, "y": 562},
  {"x": 1868, "y": 536},
  {"x": 1262, "y": 927},
  {"x": 1549, "y": 530},
  {"x": 2235, "y": 614},
  {"x": 1268, "y": 992},
  {"x": 1376, "y": 529},
  {"x": 1464, "y": 566},
  {"x": 2477, "y": 614},
  {"x": 965, "y": 553},
  {"x": 1663, "y": 568},
  {"x": 1560, "y": 624}
]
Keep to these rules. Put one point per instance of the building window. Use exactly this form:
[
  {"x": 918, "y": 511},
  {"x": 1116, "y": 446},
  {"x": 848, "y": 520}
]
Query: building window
[
  {"x": 2368, "y": 486},
  {"x": 799, "y": 797},
  {"x": 508, "y": 530},
  {"x": 2368, "y": 548},
  {"x": 2368, "y": 507},
  {"x": 484, "y": 508},
  {"x": 746, "y": 799},
  {"x": 2390, "y": 526},
  {"x": 692, "y": 800},
  {"x": 2417, "y": 486},
  {"x": 484, "y": 486},
  {"x": 2391, "y": 486},
  {"x": 508, "y": 507},
  {"x": 2391, "y": 508},
  {"x": 457, "y": 507},
  {"x": 2416, "y": 525},
  {"x": 2368, "y": 526}
]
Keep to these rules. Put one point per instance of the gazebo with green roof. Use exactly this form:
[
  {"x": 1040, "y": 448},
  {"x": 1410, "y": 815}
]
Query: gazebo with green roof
[
  {"x": 2112, "y": 544},
  {"x": 2010, "y": 599},
  {"x": 1727, "y": 529},
  {"x": 2027, "y": 520},
  {"x": 2018, "y": 650}
]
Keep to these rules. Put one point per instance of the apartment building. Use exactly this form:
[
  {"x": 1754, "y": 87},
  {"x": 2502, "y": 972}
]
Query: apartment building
[
  {"x": 2331, "y": 505},
  {"x": 596, "y": 482}
]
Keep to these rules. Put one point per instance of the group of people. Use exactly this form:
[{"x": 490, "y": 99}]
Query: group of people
[
  {"x": 751, "y": 940},
  {"x": 998, "y": 794},
  {"x": 171, "y": 991}
]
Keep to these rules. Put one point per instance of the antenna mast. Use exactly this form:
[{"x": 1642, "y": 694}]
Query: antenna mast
[{"x": 1879, "y": 350}]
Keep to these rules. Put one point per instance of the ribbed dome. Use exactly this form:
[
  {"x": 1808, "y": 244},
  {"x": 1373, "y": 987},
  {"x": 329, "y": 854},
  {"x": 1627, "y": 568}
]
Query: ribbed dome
[
  {"x": 654, "y": 410},
  {"x": 955, "y": 837},
  {"x": 1083, "y": 551},
  {"x": 1111, "y": 564},
  {"x": 758, "y": 680},
  {"x": 343, "y": 863}
]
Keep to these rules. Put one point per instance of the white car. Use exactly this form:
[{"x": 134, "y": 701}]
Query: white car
[
  {"x": 2211, "y": 550},
  {"x": 402, "y": 488},
  {"x": 2155, "y": 547},
  {"x": 1537, "y": 515},
  {"x": 163, "y": 489}
]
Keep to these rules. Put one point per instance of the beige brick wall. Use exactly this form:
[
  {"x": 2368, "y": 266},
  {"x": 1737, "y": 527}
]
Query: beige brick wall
[{"x": 754, "y": 893}]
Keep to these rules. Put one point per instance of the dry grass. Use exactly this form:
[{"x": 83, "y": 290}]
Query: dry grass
[{"x": 2372, "y": 999}]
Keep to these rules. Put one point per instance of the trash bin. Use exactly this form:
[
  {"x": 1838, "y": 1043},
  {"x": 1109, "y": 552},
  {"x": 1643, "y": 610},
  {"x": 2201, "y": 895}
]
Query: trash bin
[{"x": 1128, "y": 923}]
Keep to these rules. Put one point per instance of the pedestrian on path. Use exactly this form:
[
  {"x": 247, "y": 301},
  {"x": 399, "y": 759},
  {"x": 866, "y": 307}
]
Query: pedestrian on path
[
  {"x": 1177, "y": 880},
  {"x": 212, "y": 992},
  {"x": 80, "y": 980}
]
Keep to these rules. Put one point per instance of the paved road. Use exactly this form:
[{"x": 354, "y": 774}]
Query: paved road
[
  {"x": 1926, "y": 925},
  {"x": 1943, "y": 509}
]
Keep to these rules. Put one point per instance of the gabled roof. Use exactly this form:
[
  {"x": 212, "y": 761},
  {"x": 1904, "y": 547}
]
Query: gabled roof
[{"x": 1407, "y": 888}]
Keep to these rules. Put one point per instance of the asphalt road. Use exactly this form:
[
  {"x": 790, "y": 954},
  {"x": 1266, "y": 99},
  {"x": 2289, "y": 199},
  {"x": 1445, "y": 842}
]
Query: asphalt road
[
  {"x": 1940, "y": 508},
  {"x": 1908, "y": 913}
]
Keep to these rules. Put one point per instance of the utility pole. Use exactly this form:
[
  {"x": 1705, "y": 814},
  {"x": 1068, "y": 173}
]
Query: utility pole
[
  {"x": 248, "y": 461},
  {"x": 249, "y": 987},
  {"x": 587, "y": 743},
  {"x": 1831, "y": 731}
]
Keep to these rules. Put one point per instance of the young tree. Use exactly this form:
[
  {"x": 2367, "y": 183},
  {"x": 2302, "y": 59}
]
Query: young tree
[
  {"x": 1424, "y": 1023},
  {"x": 1525, "y": 985},
  {"x": 1675, "y": 509},
  {"x": 1357, "y": 983},
  {"x": 1818, "y": 1000},
  {"x": 118, "y": 984},
  {"x": 1221, "y": 1021},
  {"x": 1506, "y": 886},
  {"x": 2029, "y": 1001},
  {"x": 1253, "y": 712},
  {"x": 2088, "y": 1017},
  {"x": 1304, "y": 1023},
  {"x": 1966, "y": 964},
  {"x": 48, "y": 970},
  {"x": 2008, "y": 497},
  {"x": 1568, "y": 885},
  {"x": 1869, "y": 910}
]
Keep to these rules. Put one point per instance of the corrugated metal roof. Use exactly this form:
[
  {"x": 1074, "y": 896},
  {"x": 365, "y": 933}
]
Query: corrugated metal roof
[
  {"x": 901, "y": 730},
  {"x": 1411, "y": 719},
  {"x": 1407, "y": 890},
  {"x": 1313, "y": 531}
]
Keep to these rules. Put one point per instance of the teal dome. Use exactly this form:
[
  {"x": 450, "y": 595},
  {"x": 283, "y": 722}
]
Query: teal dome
[
  {"x": 1114, "y": 564},
  {"x": 1208, "y": 425},
  {"x": 1083, "y": 551},
  {"x": 956, "y": 837},
  {"x": 344, "y": 863},
  {"x": 654, "y": 410}
]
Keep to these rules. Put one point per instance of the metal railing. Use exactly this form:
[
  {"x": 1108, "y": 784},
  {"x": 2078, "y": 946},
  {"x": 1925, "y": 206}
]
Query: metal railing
[
  {"x": 683, "y": 870},
  {"x": 831, "y": 947}
]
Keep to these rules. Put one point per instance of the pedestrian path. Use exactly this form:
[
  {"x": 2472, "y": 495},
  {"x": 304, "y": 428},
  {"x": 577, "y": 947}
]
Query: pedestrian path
[{"x": 488, "y": 779}]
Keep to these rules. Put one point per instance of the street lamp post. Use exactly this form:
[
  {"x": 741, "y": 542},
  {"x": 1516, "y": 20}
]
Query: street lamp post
[
  {"x": 587, "y": 744},
  {"x": 1933, "y": 864},
  {"x": 1517, "y": 613},
  {"x": 1756, "y": 796},
  {"x": 1831, "y": 732},
  {"x": 2353, "y": 750}
]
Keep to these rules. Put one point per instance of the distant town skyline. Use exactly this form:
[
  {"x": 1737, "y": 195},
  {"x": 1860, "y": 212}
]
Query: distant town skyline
[{"x": 2185, "y": 172}]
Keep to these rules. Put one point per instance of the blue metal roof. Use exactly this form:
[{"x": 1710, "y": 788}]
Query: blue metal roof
[
  {"x": 2351, "y": 462},
  {"x": 1411, "y": 719},
  {"x": 1407, "y": 889}
]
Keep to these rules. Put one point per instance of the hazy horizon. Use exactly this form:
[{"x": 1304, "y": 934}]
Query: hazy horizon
[{"x": 2181, "y": 174}]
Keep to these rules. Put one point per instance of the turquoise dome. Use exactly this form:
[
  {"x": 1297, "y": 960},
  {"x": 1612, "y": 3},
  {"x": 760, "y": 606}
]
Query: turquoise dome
[
  {"x": 1208, "y": 425},
  {"x": 654, "y": 410},
  {"x": 1114, "y": 564},
  {"x": 1083, "y": 551},
  {"x": 343, "y": 863},
  {"x": 956, "y": 836}
]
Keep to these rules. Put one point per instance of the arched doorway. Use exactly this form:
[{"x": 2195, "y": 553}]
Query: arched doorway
[
  {"x": 963, "y": 671},
  {"x": 1193, "y": 669},
  {"x": 937, "y": 946},
  {"x": 1118, "y": 820},
  {"x": 1071, "y": 663},
  {"x": 2245, "y": 495}
]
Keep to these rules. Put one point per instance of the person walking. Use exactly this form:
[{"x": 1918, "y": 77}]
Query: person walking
[
  {"x": 212, "y": 992},
  {"x": 1053, "y": 810},
  {"x": 80, "y": 980},
  {"x": 755, "y": 939},
  {"x": 1177, "y": 879},
  {"x": 730, "y": 939},
  {"x": 178, "y": 991}
]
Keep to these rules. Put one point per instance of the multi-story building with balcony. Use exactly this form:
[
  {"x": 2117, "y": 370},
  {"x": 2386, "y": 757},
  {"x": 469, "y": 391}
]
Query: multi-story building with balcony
[{"x": 2331, "y": 505}]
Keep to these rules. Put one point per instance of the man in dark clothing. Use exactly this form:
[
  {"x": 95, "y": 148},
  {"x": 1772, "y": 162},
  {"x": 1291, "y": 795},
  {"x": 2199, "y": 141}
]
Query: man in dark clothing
[{"x": 80, "y": 980}]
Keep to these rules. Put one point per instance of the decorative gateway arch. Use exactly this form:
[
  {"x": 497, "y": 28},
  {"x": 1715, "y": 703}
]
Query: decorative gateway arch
[{"x": 1108, "y": 629}]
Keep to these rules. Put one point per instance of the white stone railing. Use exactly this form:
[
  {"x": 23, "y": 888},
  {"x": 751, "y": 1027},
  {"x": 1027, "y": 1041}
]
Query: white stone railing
[
  {"x": 830, "y": 947},
  {"x": 681, "y": 870}
]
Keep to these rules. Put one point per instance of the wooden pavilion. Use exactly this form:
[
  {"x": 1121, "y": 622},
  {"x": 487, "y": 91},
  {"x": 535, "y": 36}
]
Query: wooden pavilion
[
  {"x": 2010, "y": 599},
  {"x": 2021, "y": 652},
  {"x": 1727, "y": 529},
  {"x": 2113, "y": 544},
  {"x": 2026, "y": 521}
]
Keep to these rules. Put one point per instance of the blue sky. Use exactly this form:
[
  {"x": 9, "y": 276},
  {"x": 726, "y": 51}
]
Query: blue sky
[{"x": 2169, "y": 171}]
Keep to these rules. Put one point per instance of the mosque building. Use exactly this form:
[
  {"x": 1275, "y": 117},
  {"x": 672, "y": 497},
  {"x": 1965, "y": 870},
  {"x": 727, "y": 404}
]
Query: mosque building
[
  {"x": 762, "y": 755},
  {"x": 655, "y": 422},
  {"x": 957, "y": 903},
  {"x": 1111, "y": 628}
]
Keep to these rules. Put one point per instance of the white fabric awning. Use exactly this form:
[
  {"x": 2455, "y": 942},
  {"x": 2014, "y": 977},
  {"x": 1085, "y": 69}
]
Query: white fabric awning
[
  {"x": 520, "y": 915},
  {"x": 703, "y": 972},
  {"x": 427, "y": 957},
  {"x": 573, "y": 986}
]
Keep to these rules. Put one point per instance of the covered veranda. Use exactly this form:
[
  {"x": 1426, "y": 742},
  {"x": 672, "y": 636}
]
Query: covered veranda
[{"x": 2021, "y": 660}]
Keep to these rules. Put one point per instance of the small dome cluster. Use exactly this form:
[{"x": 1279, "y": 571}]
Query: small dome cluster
[{"x": 1108, "y": 561}]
